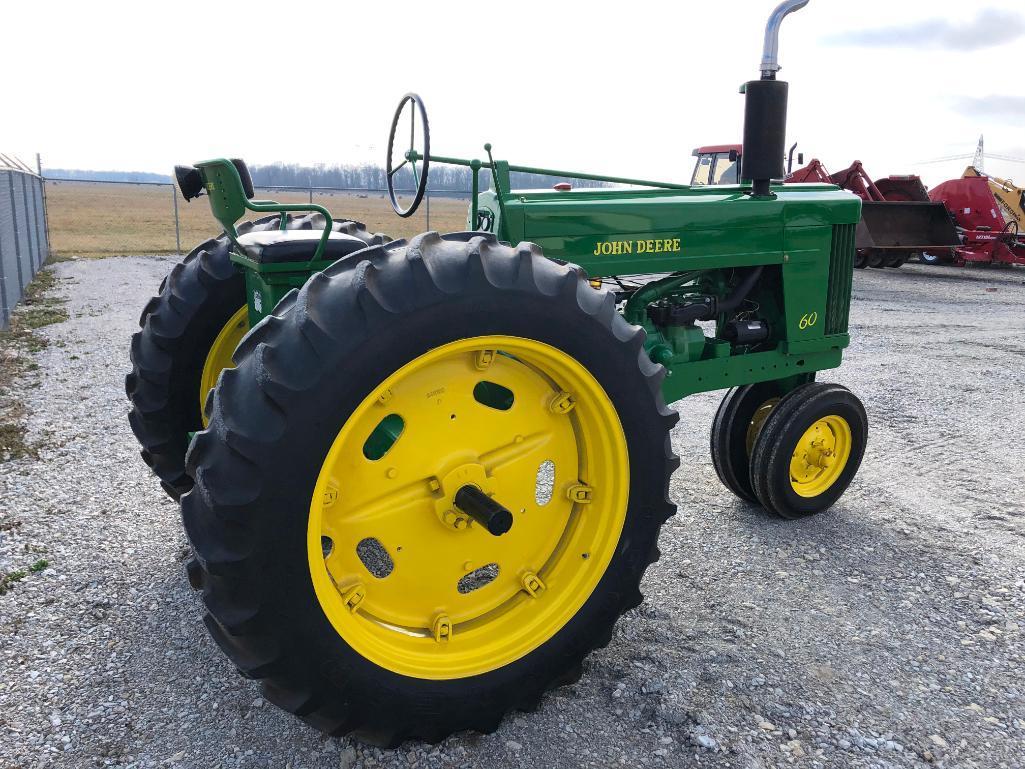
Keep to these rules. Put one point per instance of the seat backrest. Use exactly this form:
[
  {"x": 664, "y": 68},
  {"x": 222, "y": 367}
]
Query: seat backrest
[
  {"x": 226, "y": 190},
  {"x": 230, "y": 189}
]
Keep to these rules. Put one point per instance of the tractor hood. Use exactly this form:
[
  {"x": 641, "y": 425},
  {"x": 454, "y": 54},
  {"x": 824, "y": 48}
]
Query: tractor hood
[{"x": 612, "y": 231}]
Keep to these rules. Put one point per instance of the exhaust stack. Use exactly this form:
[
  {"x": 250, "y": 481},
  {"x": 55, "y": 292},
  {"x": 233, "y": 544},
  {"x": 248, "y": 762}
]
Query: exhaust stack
[{"x": 765, "y": 111}]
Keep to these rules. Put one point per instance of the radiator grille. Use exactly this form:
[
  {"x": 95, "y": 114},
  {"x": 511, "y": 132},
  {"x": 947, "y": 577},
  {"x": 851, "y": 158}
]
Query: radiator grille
[{"x": 841, "y": 272}]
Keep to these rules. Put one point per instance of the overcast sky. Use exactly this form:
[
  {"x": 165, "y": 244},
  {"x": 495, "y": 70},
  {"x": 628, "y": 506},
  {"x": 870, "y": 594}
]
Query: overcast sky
[{"x": 621, "y": 88}]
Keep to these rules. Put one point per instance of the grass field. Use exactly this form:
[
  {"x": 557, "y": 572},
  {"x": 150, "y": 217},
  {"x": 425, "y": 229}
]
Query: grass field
[{"x": 90, "y": 220}]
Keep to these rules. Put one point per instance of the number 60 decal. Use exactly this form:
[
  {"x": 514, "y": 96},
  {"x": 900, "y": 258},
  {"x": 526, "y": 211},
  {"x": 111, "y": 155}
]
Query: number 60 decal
[{"x": 808, "y": 320}]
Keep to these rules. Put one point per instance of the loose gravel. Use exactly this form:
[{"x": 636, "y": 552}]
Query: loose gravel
[{"x": 886, "y": 632}]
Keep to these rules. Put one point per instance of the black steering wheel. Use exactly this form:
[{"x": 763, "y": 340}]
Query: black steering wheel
[{"x": 410, "y": 156}]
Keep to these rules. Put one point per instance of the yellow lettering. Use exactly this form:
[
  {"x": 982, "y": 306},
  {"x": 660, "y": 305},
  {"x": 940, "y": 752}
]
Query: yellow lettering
[{"x": 619, "y": 247}]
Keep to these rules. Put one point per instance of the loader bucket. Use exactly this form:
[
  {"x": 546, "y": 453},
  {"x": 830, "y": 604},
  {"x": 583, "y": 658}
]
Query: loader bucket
[
  {"x": 905, "y": 188},
  {"x": 905, "y": 225}
]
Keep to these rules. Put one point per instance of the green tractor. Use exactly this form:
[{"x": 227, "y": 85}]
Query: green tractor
[{"x": 434, "y": 477}]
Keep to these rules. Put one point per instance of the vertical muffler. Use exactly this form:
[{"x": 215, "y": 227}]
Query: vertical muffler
[{"x": 765, "y": 111}]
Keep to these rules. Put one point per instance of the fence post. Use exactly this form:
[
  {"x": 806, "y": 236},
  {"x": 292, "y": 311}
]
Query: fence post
[
  {"x": 37, "y": 224},
  {"x": 177, "y": 227},
  {"x": 428, "y": 196},
  {"x": 46, "y": 215}
]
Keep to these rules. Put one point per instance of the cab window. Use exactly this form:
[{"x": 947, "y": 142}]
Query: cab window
[
  {"x": 703, "y": 170},
  {"x": 725, "y": 170}
]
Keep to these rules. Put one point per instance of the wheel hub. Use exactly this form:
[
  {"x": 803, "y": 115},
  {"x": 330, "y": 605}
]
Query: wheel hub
[
  {"x": 820, "y": 456},
  {"x": 445, "y": 507}
]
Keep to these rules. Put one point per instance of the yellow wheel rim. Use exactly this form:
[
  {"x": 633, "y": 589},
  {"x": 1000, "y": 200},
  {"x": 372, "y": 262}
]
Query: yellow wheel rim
[
  {"x": 394, "y": 564},
  {"x": 820, "y": 456},
  {"x": 754, "y": 428},
  {"x": 219, "y": 355}
]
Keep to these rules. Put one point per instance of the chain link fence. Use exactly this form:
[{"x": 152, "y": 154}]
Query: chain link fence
[
  {"x": 100, "y": 218},
  {"x": 24, "y": 246}
]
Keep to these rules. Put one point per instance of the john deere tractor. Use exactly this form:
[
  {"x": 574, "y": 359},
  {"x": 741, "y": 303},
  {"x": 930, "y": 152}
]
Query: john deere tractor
[{"x": 422, "y": 479}]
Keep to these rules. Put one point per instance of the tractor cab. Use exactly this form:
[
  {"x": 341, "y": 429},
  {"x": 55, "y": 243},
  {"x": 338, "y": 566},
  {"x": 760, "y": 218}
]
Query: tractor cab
[
  {"x": 720, "y": 164},
  {"x": 716, "y": 164}
]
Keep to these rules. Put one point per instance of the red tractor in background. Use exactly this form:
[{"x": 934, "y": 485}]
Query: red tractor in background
[{"x": 976, "y": 218}]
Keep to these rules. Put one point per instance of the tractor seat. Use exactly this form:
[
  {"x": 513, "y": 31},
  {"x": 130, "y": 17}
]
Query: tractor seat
[{"x": 277, "y": 246}]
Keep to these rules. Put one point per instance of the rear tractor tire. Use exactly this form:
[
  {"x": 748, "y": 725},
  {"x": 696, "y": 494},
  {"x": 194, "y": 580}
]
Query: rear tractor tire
[
  {"x": 429, "y": 489},
  {"x": 188, "y": 334},
  {"x": 808, "y": 449},
  {"x": 860, "y": 259}
]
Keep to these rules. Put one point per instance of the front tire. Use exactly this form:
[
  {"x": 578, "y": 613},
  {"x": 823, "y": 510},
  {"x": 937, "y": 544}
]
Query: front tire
[
  {"x": 809, "y": 450},
  {"x": 736, "y": 426},
  {"x": 384, "y": 383}
]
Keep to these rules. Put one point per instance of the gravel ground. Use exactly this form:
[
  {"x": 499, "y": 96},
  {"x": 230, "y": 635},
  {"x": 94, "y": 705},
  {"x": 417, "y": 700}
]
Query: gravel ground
[{"x": 887, "y": 632}]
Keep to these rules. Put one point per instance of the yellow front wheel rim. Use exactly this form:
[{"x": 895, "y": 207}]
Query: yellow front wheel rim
[
  {"x": 405, "y": 578},
  {"x": 218, "y": 357},
  {"x": 754, "y": 427},
  {"x": 820, "y": 456}
]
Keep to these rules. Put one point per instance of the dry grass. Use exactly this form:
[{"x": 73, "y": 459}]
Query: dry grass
[{"x": 89, "y": 220}]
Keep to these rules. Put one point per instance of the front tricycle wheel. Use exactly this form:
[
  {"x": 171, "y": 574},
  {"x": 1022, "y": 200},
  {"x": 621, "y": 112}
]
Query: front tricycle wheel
[
  {"x": 809, "y": 449},
  {"x": 430, "y": 488},
  {"x": 736, "y": 426}
]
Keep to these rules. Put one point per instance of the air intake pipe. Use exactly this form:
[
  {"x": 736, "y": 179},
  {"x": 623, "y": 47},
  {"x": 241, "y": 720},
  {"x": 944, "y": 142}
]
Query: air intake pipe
[{"x": 765, "y": 111}]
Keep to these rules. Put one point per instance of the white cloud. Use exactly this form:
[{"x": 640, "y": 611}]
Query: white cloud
[
  {"x": 991, "y": 27},
  {"x": 1001, "y": 106}
]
